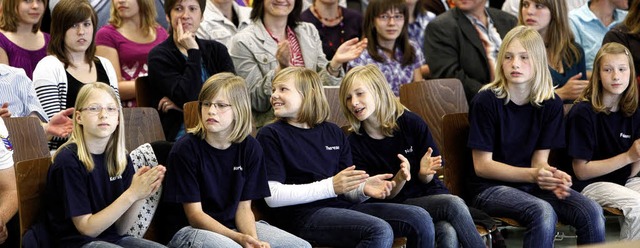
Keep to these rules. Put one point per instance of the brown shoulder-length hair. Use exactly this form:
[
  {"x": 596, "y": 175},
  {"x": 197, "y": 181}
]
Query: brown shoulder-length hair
[
  {"x": 632, "y": 21},
  {"x": 315, "y": 108},
  {"x": 64, "y": 16},
  {"x": 594, "y": 91},
  {"x": 559, "y": 38},
  {"x": 376, "y": 8},
  {"x": 235, "y": 89},
  {"x": 387, "y": 106},
  {"x": 9, "y": 19},
  {"x": 147, "y": 12},
  {"x": 257, "y": 12}
]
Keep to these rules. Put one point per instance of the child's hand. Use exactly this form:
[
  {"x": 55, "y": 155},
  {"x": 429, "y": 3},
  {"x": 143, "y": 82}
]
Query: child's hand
[
  {"x": 573, "y": 88},
  {"x": 404, "y": 174},
  {"x": 634, "y": 151},
  {"x": 247, "y": 241},
  {"x": 428, "y": 164},
  {"x": 348, "y": 179},
  {"x": 378, "y": 186},
  {"x": 146, "y": 181}
]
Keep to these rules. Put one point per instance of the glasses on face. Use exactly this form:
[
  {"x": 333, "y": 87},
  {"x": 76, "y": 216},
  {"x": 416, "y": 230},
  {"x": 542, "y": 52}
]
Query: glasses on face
[
  {"x": 387, "y": 17},
  {"x": 96, "y": 109},
  {"x": 218, "y": 106}
]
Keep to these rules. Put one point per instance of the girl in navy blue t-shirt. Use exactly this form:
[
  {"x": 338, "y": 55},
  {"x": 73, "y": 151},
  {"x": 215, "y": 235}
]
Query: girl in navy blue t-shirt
[
  {"x": 216, "y": 170},
  {"x": 387, "y": 138},
  {"x": 94, "y": 195},
  {"x": 603, "y": 131},
  {"x": 315, "y": 189},
  {"x": 514, "y": 122}
]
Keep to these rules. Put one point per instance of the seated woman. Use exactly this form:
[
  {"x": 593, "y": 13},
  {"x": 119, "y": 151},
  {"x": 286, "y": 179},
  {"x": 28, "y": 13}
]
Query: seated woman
[
  {"x": 126, "y": 41},
  {"x": 315, "y": 189},
  {"x": 389, "y": 47},
  {"x": 335, "y": 24},
  {"x": 217, "y": 169},
  {"x": 514, "y": 122},
  {"x": 387, "y": 138},
  {"x": 603, "y": 132},
  {"x": 180, "y": 64},
  {"x": 627, "y": 33},
  {"x": 72, "y": 62},
  {"x": 22, "y": 44},
  {"x": 565, "y": 57},
  {"x": 222, "y": 19},
  {"x": 277, "y": 40}
]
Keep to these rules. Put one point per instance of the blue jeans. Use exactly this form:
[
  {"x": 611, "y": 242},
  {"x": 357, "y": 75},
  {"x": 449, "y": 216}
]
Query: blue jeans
[
  {"x": 453, "y": 222},
  {"x": 539, "y": 210},
  {"x": 193, "y": 237},
  {"x": 128, "y": 241},
  {"x": 368, "y": 225}
]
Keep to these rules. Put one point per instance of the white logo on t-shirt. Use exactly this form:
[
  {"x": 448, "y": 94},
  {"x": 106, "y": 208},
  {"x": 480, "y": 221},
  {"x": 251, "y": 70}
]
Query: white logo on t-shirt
[
  {"x": 237, "y": 168},
  {"x": 332, "y": 148},
  {"x": 111, "y": 179},
  {"x": 625, "y": 136},
  {"x": 410, "y": 150}
]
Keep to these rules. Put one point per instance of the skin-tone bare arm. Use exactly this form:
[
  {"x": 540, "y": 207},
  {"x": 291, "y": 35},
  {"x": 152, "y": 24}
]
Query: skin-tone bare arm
[
  {"x": 145, "y": 182},
  {"x": 402, "y": 176},
  {"x": 486, "y": 167},
  {"x": 4, "y": 59},
  {"x": 8, "y": 200},
  {"x": 589, "y": 169},
  {"x": 127, "y": 89},
  {"x": 417, "y": 75},
  {"x": 246, "y": 224}
]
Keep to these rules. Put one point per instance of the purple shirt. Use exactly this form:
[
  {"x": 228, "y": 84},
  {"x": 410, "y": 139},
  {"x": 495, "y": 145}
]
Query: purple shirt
[
  {"x": 132, "y": 56},
  {"x": 418, "y": 27},
  {"x": 23, "y": 58},
  {"x": 393, "y": 70}
]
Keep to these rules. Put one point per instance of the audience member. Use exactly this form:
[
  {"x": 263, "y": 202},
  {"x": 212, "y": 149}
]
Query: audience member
[
  {"x": 223, "y": 19},
  {"x": 603, "y": 137},
  {"x": 592, "y": 21},
  {"x": 93, "y": 191},
  {"x": 418, "y": 18},
  {"x": 306, "y": 4},
  {"x": 513, "y": 6},
  {"x": 389, "y": 46},
  {"x": 514, "y": 122},
  {"x": 126, "y": 41},
  {"x": 71, "y": 62},
  {"x": 103, "y": 7},
  {"x": 315, "y": 190},
  {"x": 22, "y": 44},
  {"x": 180, "y": 64},
  {"x": 463, "y": 43},
  {"x": 335, "y": 24},
  {"x": 276, "y": 40},
  {"x": 627, "y": 33},
  {"x": 217, "y": 169},
  {"x": 565, "y": 57},
  {"x": 387, "y": 138}
]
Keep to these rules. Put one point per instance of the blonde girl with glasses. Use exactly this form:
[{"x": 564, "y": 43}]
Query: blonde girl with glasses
[
  {"x": 94, "y": 195},
  {"x": 386, "y": 27},
  {"x": 216, "y": 170}
]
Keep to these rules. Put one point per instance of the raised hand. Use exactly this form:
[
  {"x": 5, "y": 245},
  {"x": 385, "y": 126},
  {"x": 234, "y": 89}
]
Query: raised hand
[
  {"x": 429, "y": 165},
  {"x": 378, "y": 186},
  {"x": 4, "y": 110},
  {"x": 60, "y": 124},
  {"x": 283, "y": 54},
  {"x": 349, "y": 50},
  {"x": 183, "y": 38},
  {"x": 147, "y": 181},
  {"x": 573, "y": 88},
  {"x": 404, "y": 174},
  {"x": 348, "y": 179}
]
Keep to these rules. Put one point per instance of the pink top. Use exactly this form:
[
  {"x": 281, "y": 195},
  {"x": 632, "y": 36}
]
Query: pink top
[
  {"x": 132, "y": 55},
  {"x": 23, "y": 58}
]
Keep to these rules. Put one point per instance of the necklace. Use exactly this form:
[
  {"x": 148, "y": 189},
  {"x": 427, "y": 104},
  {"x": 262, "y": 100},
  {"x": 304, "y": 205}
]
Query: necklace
[{"x": 324, "y": 19}]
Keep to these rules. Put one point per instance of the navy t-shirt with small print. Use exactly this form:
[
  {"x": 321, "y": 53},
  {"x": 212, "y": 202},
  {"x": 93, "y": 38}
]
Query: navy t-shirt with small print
[
  {"x": 596, "y": 136},
  {"x": 73, "y": 191},
  {"x": 300, "y": 156},
  {"x": 512, "y": 133},
  {"x": 380, "y": 156},
  {"x": 218, "y": 179}
]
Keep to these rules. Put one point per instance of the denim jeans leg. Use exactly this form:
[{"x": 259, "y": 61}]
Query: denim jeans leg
[
  {"x": 452, "y": 209},
  {"x": 339, "y": 227},
  {"x": 198, "y": 238},
  {"x": 133, "y": 242},
  {"x": 412, "y": 222},
  {"x": 100, "y": 244},
  {"x": 535, "y": 214},
  {"x": 580, "y": 212},
  {"x": 446, "y": 236},
  {"x": 278, "y": 238}
]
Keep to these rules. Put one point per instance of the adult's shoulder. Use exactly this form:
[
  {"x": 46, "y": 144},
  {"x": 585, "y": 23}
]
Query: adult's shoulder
[
  {"x": 448, "y": 18},
  {"x": 50, "y": 60},
  {"x": 497, "y": 14}
]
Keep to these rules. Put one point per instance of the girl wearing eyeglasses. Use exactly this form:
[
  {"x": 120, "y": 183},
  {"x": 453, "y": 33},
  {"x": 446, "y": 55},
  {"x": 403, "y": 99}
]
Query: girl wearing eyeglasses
[
  {"x": 72, "y": 62},
  {"x": 94, "y": 195},
  {"x": 217, "y": 169},
  {"x": 389, "y": 47}
]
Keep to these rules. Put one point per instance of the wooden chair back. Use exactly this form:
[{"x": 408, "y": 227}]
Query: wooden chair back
[
  {"x": 31, "y": 178},
  {"x": 27, "y": 137},
  {"x": 432, "y": 99},
  {"x": 142, "y": 125},
  {"x": 457, "y": 157},
  {"x": 143, "y": 92},
  {"x": 336, "y": 116}
]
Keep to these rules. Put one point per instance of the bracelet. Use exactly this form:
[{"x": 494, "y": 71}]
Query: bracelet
[{"x": 333, "y": 70}]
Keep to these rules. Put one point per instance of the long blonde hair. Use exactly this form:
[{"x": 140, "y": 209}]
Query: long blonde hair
[
  {"x": 541, "y": 85},
  {"x": 147, "y": 13},
  {"x": 315, "y": 108},
  {"x": 593, "y": 92},
  {"x": 235, "y": 89},
  {"x": 115, "y": 152},
  {"x": 387, "y": 107}
]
